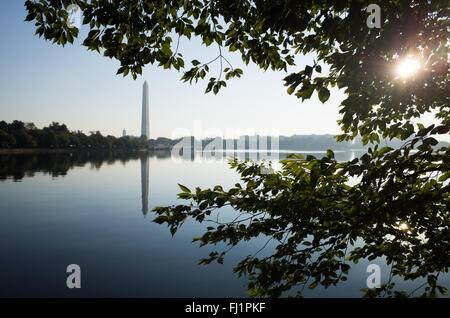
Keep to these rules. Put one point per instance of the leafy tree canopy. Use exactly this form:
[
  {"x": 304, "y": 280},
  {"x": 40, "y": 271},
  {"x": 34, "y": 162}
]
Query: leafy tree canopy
[{"x": 309, "y": 207}]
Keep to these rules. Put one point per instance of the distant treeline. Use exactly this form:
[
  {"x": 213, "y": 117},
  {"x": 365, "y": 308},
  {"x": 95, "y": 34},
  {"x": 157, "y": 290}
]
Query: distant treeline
[
  {"x": 56, "y": 136},
  {"x": 295, "y": 142}
]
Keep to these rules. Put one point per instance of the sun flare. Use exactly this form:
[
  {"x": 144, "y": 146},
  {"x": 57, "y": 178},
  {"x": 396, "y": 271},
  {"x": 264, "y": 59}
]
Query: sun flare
[
  {"x": 408, "y": 67},
  {"x": 403, "y": 226}
]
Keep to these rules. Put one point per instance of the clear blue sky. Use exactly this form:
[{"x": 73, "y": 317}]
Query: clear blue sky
[{"x": 41, "y": 82}]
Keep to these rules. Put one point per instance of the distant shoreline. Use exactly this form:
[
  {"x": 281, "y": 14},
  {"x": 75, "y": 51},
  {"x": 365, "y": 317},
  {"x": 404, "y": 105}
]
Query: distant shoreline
[{"x": 18, "y": 151}]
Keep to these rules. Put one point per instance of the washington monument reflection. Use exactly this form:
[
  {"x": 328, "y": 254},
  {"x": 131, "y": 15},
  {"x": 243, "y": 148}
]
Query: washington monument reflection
[{"x": 144, "y": 183}]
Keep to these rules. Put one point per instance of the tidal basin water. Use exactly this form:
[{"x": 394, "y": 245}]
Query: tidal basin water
[{"x": 94, "y": 210}]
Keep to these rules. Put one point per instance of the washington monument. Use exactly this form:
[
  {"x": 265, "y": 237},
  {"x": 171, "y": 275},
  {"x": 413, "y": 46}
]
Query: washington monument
[{"x": 145, "y": 123}]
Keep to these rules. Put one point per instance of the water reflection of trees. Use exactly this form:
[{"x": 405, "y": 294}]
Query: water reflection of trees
[{"x": 18, "y": 166}]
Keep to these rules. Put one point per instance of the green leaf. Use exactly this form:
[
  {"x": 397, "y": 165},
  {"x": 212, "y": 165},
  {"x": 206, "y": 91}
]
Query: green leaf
[
  {"x": 313, "y": 285},
  {"x": 324, "y": 94},
  {"x": 183, "y": 188},
  {"x": 290, "y": 90}
]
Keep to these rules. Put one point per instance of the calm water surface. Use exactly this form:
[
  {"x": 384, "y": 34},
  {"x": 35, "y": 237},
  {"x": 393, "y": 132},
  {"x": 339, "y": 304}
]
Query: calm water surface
[{"x": 95, "y": 211}]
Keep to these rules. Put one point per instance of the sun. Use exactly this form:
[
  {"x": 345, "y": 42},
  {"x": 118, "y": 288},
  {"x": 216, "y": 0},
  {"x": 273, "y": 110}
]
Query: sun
[
  {"x": 403, "y": 226},
  {"x": 408, "y": 67}
]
